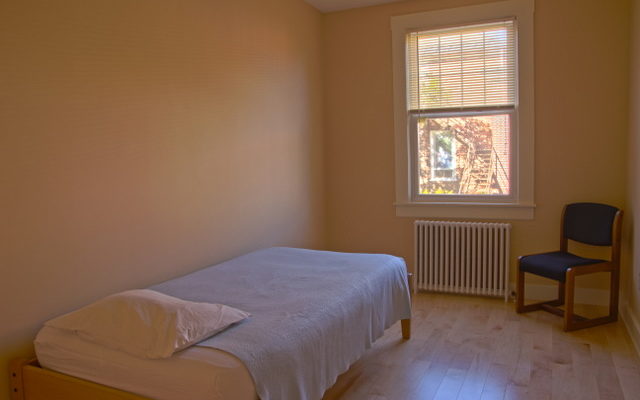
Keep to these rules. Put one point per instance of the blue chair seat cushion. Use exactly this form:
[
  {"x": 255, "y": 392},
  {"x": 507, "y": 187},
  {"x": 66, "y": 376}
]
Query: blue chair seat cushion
[{"x": 553, "y": 265}]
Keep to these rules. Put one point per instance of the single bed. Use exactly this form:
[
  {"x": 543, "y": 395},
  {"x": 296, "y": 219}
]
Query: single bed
[{"x": 313, "y": 313}]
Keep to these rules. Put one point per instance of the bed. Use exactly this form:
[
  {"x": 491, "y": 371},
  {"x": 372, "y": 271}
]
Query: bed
[{"x": 313, "y": 313}]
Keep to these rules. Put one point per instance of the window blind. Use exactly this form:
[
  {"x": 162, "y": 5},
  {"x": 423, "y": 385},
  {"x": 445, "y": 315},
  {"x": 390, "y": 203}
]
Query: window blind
[{"x": 461, "y": 67}]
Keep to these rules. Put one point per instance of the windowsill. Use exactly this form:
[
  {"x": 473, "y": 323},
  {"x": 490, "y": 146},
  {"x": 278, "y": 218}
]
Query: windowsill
[{"x": 466, "y": 210}]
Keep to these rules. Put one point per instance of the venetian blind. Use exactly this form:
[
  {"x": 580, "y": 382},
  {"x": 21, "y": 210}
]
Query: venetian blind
[{"x": 460, "y": 67}]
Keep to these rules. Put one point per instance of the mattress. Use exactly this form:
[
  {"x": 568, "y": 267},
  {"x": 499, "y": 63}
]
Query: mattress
[{"x": 196, "y": 373}]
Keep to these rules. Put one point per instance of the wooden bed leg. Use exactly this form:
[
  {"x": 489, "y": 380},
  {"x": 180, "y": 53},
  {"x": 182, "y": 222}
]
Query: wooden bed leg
[
  {"x": 15, "y": 377},
  {"x": 406, "y": 328},
  {"x": 410, "y": 282},
  {"x": 406, "y": 323}
]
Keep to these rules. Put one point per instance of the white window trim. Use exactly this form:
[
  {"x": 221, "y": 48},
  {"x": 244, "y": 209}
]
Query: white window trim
[{"x": 522, "y": 206}]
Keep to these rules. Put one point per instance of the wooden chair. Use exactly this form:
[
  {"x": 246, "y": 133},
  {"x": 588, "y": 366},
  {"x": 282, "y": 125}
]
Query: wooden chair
[{"x": 590, "y": 223}]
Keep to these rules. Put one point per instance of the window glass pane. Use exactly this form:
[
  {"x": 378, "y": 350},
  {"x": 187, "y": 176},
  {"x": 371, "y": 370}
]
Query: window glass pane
[
  {"x": 466, "y": 66},
  {"x": 467, "y": 155}
]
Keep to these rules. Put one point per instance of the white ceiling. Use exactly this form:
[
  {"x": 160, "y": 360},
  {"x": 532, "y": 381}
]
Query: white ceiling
[{"x": 336, "y": 5}]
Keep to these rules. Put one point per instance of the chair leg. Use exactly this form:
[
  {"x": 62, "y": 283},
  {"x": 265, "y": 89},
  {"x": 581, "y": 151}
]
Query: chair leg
[
  {"x": 568, "y": 299},
  {"x": 614, "y": 295},
  {"x": 520, "y": 291},
  {"x": 561, "y": 289},
  {"x": 542, "y": 305}
]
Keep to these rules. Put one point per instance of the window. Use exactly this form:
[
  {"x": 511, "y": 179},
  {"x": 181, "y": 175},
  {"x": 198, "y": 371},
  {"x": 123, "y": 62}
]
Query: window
[
  {"x": 464, "y": 111},
  {"x": 466, "y": 76}
]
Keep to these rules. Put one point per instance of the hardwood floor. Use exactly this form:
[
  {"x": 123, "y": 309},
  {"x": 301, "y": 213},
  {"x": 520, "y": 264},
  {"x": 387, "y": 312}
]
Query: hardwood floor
[{"x": 479, "y": 349}]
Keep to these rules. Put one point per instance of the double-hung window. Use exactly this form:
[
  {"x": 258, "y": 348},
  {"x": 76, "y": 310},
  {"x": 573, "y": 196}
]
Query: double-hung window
[{"x": 464, "y": 111}]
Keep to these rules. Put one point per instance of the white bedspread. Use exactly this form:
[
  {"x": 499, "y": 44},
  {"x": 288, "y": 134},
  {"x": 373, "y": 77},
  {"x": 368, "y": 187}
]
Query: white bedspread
[{"x": 313, "y": 313}]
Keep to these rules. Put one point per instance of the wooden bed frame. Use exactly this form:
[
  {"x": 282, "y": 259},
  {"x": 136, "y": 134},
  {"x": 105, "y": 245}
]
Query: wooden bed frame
[{"x": 29, "y": 381}]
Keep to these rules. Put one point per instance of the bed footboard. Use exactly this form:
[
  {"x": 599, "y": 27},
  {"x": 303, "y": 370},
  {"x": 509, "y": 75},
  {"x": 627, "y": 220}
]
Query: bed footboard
[{"x": 29, "y": 381}]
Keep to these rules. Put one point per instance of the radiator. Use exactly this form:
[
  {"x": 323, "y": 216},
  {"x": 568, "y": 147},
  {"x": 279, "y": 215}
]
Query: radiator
[{"x": 462, "y": 257}]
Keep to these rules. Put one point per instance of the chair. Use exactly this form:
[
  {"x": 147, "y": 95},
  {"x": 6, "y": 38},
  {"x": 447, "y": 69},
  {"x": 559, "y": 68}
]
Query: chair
[{"x": 589, "y": 223}]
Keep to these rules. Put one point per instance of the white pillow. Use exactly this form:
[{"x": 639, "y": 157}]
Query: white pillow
[{"x": 147, "y": 324}]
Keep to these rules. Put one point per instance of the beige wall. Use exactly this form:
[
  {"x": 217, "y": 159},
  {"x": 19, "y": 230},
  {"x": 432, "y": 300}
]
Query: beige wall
[
  {"x": 126, "y": 131},
  {"x": 633, "y": 280},
  {"x": 581, "y": 78},
  {"x": 141, "y": 140}
]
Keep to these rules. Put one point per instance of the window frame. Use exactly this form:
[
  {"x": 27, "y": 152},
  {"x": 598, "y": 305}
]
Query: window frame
[{"x": 519, "y": 203}]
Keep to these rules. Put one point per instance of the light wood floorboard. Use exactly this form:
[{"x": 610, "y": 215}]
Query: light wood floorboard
[{"x": 473, "y": 348}]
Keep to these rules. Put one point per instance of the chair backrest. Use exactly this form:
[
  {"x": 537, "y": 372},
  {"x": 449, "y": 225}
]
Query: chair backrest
[{"x": 590, "y": 223}]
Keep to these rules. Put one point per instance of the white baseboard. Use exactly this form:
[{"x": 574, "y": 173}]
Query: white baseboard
[
  {"x": 596, "y": 297},
  {"x": 633, "y": 326}
]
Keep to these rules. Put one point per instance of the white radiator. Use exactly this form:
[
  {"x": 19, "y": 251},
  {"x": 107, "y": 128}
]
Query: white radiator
[{"x": 463, "y": 257}]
